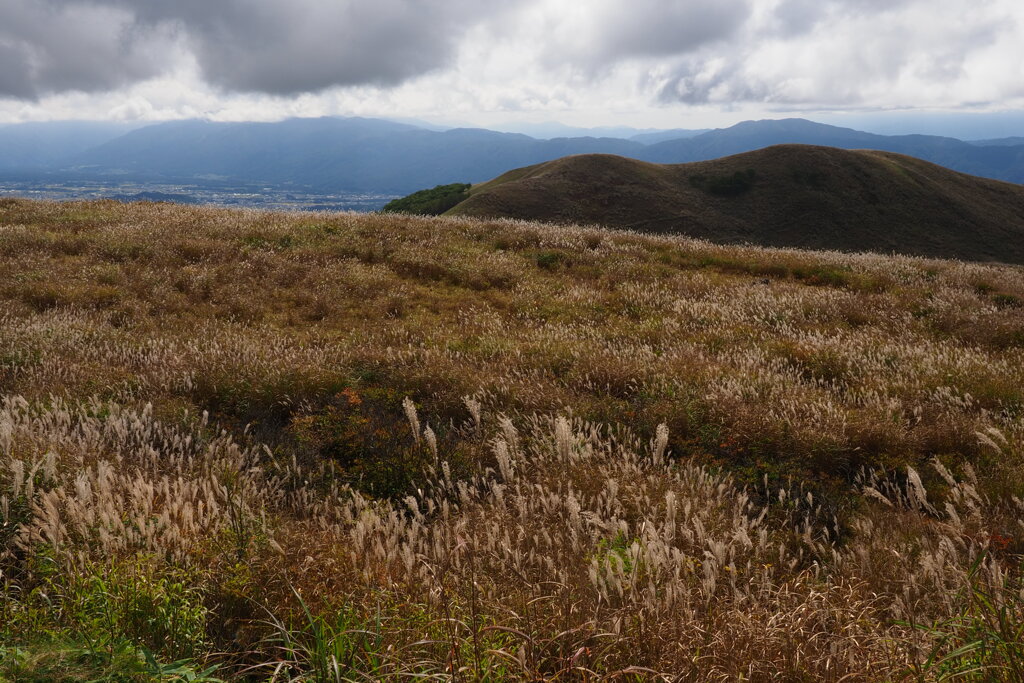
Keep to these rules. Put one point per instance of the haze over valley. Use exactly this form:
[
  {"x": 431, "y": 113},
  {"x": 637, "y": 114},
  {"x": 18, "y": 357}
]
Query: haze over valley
[{"x": 359, "y": 164}]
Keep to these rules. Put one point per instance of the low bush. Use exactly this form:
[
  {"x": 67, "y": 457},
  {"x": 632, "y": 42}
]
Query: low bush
[
  {"x": 364, "y": 433},
  {"x": 431, "y": 202}
]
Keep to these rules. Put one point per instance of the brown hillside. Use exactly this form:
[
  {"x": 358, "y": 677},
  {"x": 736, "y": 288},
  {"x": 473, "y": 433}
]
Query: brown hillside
[{"x": 797, "y": 196}]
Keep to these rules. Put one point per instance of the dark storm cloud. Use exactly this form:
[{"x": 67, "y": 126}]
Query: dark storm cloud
[
  {"x": 612, "y": 31},
  {"x": 14, "y": 76},
  {"x": 267, "y": 46},
  {"x": 51, "y": 46},
  {"x": 307, "y": 45},
  {"x": 654, "y": 28}
]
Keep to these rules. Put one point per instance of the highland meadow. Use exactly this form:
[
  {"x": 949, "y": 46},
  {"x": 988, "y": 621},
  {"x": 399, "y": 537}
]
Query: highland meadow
[{"x": 312, "y": 446}]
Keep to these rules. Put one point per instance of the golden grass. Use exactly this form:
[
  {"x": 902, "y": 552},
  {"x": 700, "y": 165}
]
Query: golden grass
[{"x": 624, "y": 456}]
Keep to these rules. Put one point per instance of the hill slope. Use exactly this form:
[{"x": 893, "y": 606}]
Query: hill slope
[{"x": 788, "y": 195}]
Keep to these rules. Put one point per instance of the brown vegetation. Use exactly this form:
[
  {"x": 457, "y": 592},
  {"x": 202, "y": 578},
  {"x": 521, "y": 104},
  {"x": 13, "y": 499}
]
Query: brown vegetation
[
  {"x": 783, "y": 196},
  {"x": 622, "y": 457}
]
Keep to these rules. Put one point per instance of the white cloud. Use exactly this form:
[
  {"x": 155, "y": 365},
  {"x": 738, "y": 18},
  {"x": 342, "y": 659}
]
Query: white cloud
[
  {"x": 912, "y": 53},
  {"x": 661, "y": 62}
]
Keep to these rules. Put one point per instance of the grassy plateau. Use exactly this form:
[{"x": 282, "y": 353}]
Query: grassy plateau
[{"x": 251, "y": 446}]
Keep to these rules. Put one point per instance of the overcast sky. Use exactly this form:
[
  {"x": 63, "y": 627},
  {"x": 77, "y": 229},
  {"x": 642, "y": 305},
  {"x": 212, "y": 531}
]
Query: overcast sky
[{"x": 642, "y": 63}]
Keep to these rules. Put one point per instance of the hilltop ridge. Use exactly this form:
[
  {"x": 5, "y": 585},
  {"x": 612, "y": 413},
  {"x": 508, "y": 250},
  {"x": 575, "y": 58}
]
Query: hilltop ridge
[{"x": 785, "y": 196}]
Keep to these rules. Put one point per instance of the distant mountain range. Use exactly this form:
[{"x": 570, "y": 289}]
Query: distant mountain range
[
  {"x": 784, "y": 196},
  {"x": 329, "y": 154},
  {"x": 549, "y": 130},
  {"x": 998, "y": 161},
  {"x": 374, "y": 155},
  {"x": 50, "y": 144}
]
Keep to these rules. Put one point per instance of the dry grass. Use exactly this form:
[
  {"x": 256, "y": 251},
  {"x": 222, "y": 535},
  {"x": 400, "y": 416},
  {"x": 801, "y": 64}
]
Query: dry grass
[{"x": 629, "y": 457}]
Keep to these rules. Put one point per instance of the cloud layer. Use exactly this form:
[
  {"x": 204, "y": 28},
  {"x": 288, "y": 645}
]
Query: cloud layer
[
  {"x": 50, "y": 46},
  {"x": 860, "y": 52},
  {"x": 308, "y": 45},
  {"x": 601, "y": 33},
  {"x": 448, "y": 56}
]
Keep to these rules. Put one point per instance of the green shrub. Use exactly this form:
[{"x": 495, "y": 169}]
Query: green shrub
[
  {"x": 985, "y": 642},
  {"x": 1007, "y": 301},
  {"x": 431, "y": 202},
  {"x": 550, "y": 260},
  {"x": 150, "y": 607},
  {"x": 339, "y": 647},
  {"x": 121, "y": 621},
  {"x": 616, "y": 549},
  {"x": 62, "y": 662}
]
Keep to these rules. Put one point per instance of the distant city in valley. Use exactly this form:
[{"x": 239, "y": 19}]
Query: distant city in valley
[{"x": 260, "y": 197}]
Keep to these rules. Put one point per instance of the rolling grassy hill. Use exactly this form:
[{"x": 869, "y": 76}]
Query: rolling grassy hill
[
  {"x": 320, "y": 447},
  {"x": 784, "y": 196}
]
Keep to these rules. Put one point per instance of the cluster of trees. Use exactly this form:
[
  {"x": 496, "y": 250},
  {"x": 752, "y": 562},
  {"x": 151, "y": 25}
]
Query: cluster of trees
[{"x": 431, "y": 202}]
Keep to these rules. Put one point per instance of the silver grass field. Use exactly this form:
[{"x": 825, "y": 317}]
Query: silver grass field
[{"x": 242, "y": 445}]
